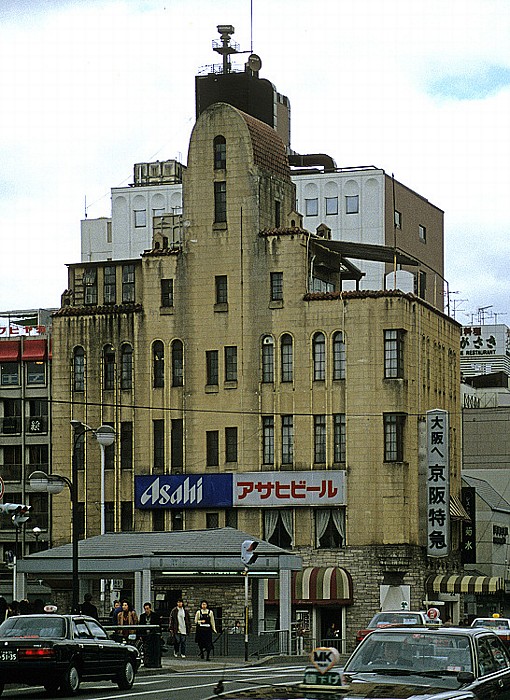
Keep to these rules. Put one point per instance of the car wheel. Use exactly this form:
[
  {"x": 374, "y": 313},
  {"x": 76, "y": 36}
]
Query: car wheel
[
  {"x": 70, "y": 680},
  {"x": 126, "y": 677}
]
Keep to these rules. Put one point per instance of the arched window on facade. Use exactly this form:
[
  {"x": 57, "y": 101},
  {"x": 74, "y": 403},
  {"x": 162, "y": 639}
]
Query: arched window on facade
[
  {"x": 319, "y": 357},
  {"x": 220, "y": 153},
  {"x": 338, "y": 356},
  {"x": 79, "y": 369},
  {"x": 287, "y": 358},
  {"x": 158, "y": 364},
  {"x": 108, "y": 367},
  {"x": 126, "y": 368},
  {"x": 268, "y": 359},
  {"x": 177, "y": 363}
]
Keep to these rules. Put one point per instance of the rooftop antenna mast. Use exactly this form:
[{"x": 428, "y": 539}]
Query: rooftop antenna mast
[
  {"x": 251, "y": 26},
  {"x": 225, "y": 49}
]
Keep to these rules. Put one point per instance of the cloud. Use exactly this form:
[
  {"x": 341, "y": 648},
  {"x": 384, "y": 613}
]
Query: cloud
[{"x": 477, "y": 84}]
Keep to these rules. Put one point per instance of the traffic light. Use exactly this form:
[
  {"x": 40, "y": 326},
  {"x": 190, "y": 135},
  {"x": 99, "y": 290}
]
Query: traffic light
[
  {"x": 17, "y": 511},
  {"x": 14, "y": 508},
  {"x": 248, "y": 555}
]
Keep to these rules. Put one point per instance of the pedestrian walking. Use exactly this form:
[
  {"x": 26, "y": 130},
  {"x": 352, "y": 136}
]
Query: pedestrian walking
[
  {"x": 149, "y": 617},
  {"x": 179, "y": 627},
  {"x": 204, "y": 620},
  {"x": 114, "y": 612}
]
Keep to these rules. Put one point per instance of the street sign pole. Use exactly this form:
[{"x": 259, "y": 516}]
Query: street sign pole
[{"x": 246, "y": 613}]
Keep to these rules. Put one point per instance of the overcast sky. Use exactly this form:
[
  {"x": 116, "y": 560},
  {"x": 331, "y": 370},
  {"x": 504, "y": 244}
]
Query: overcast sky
[{"x": 420, "y": 88}]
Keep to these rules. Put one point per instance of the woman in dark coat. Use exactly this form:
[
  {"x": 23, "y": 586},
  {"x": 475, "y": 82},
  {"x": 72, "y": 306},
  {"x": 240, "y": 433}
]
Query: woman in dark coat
[{"x": 204, "y": 620}]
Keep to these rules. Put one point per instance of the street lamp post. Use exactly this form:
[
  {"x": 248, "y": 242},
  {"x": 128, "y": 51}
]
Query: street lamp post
[{"x": 55, "y": 483}]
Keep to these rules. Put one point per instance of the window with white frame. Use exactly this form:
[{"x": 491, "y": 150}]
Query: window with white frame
[
  {"x": 397, "y": 219},
  {"x": 422, "y": 233}
]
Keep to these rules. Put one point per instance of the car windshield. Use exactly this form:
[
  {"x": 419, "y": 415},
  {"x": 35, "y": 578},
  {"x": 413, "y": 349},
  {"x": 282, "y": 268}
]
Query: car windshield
[
  {"x": 411, "y": 653},
  {"x": 44, "y": 626},
  {"x": 492, "y": 623},
  {"x": 394, "y": 618}
]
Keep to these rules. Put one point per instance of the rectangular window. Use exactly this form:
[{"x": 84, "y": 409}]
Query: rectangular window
[
  {"x": 90, "y": 285},
  {"x": 158, "y": 455},
  {"x": 158, "y": 520},
  {"x": 422, "y": 233},
  {"x": 268, "y": 439},
  {"x": 126, "y": 445},
  {"x": 10, "y": 373},
  {"x": 12, "y": 461},
  {"x": 211, "y": 363},
  {"x": 167, "y": 293},
  {"x": 331, "y": 206},
  {"x": 128, "y": 283},
  {"x": 230, "y": 363},
  {"x": 212, "y": 520},
  {"x": 38, "y": 416},
  {"x": 276, "y": 286},
  {"x": 231, "y": 518},
  {"x": 126, "y": 516},
  {"x": 36, "y": 372},
  {"x": 397, "y": 219},
  {"x": 339, "y": 437},
  {"x": 287, "y": 439},
  {"x": 140, "y": 218},
  {"x": 109, "y": 284},
  {"x": 109, "y": 453},
  {"x": 422, "y": 284},
  {"x": 277, "y": 214},
  {"x": 230, "y": 444},
  {"x": 394, "y": 354},
  {"x": 221, "y": 289},
  {"x": 311, "y": 207},
  {"x": 352, "y": 204},
  {"x": 177, "y": 520},
  {"x": 177, "y": 444},
  {"x": 11, "y": 422},
  {"x": 394, "y": 437},
  {"x": 38, "y": 457},
  {"x": 220, "y": 202},
  {"x": 79, "y": 451},
  {"x": 109, "y": 516},
  {"x": 212, "y": 448},
  {"x": 319, "y": 439}
]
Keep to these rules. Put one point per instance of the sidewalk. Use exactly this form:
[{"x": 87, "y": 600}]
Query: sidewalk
[{"x": 169, "y": 664}]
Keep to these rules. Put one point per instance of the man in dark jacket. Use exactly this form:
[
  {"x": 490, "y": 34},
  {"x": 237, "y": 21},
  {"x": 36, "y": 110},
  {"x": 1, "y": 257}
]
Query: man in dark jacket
[{"x": 88, "y": 608}]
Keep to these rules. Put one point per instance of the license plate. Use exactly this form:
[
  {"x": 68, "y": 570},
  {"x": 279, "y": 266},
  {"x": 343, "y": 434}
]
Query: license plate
[{"x": 7, "y": 655}]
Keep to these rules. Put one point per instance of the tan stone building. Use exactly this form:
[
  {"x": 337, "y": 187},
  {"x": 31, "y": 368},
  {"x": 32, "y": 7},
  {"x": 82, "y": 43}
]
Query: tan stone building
[{"x": 213, "y": 358}]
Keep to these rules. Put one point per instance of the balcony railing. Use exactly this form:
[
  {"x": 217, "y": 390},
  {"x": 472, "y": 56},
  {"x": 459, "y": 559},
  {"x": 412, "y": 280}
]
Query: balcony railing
[{"x": 10, "y": 425}]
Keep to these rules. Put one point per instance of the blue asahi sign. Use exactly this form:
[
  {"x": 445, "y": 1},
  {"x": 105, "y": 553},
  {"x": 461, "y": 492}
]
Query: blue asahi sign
[{"x": 183, "y": 491}]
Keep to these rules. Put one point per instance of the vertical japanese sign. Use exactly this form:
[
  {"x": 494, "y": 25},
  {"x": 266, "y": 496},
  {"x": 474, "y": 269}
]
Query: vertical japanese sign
[
  {"x": 438, "y": 484},
  {"x": 468, "y": 546}
]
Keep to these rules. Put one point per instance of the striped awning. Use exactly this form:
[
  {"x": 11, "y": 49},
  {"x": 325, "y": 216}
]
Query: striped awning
[
  {"x": 322, "y": 585},
  {"x": 458, "y": 583}
]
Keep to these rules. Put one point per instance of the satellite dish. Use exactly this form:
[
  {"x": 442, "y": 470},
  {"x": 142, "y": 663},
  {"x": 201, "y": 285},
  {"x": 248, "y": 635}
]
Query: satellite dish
[{"x": 254, "y": 62}]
